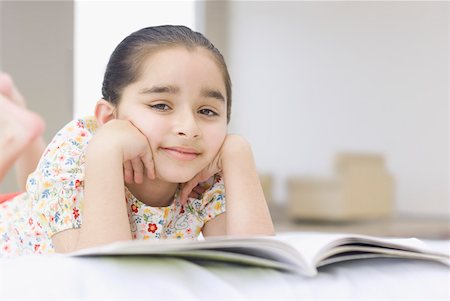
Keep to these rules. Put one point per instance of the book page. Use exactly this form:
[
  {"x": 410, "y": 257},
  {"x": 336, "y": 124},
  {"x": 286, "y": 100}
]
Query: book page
[
  {"x": 345, "y": 253},
  {"x": 321, "y": 248},
  {"x": 310, "y": 244},
  {"x": 257, "y": 251},
  {"x": 300, "y": 252}
]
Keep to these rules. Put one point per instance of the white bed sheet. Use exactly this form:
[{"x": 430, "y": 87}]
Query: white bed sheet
[{"x": 58, "y": 277}]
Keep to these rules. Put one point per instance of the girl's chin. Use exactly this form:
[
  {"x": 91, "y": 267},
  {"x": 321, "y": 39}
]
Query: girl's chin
[{"x": 175, "y": 177}]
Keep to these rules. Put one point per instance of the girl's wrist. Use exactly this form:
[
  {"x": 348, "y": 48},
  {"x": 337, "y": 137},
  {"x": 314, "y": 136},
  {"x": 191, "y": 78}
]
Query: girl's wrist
[
  {"x": 100, "y": 147},
  {"x": 235, "y": 145},
  {"x": 109, "y": 138},
  {"x": 235, "y": 149}
]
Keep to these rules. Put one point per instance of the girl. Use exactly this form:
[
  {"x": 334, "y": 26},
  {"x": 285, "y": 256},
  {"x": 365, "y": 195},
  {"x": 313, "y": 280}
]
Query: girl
[{"x": 154, "y": 162}]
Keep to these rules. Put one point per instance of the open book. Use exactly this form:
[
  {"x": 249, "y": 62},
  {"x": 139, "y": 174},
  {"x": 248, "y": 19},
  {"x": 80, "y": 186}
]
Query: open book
[{"x": 298, "y": 252}]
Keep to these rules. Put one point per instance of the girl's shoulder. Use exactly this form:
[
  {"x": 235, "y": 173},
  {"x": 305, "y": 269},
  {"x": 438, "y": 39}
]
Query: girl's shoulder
[
  {"x": 214, "y": 191},
  {"x": 80, "y": 129},
  {"x": 79, "y": 126},
  {"x": 212, "y": 202},
  {"x": 72, "y": 138},
  {"x": 89, "y": 123}
]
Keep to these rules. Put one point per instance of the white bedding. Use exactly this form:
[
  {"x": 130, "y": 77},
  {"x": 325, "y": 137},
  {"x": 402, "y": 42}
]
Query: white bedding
[{"x": 58, "y": 277}]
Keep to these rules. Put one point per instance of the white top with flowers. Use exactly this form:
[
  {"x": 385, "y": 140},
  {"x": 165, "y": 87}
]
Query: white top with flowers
[{"x": 53, "y": 201}]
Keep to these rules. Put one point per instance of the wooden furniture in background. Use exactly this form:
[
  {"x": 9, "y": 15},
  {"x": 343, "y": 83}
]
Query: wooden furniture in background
[{"x": 361, "y": 189}]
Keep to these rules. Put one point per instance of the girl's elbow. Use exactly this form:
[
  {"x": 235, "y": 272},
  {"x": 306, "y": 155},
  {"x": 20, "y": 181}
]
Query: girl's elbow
[{"x": 269, "y": 230}]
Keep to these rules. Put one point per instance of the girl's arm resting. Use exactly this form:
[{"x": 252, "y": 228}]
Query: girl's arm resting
[
  {"x": 246, "y": 208},
  {"x": 104, "y": 215},
  {"x": 66, "y": 241},
  {"x": 216, "y": 226}
]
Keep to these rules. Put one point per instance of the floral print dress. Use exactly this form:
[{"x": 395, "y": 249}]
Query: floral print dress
[{"x": 53, "y": 201}]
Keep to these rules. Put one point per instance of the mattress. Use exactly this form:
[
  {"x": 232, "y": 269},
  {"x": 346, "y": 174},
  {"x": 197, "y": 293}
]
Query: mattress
[{"x": 57, "y": 277}]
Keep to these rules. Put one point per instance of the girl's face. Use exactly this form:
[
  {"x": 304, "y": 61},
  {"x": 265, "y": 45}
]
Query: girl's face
[{"x": 179, "y": 104}]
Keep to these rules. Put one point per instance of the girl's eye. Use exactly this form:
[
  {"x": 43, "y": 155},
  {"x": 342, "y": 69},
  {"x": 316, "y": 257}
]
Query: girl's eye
[
  {"x": 208, "y": 112},
  {"x": 160, "y": 107}
]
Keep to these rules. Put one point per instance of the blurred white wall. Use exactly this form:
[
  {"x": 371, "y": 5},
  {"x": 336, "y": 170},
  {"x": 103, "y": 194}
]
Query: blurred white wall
[
  {"x": 99, "y": 28},
  {"x": 314, "y": 78},
  {"x": 311, "y": 79}
]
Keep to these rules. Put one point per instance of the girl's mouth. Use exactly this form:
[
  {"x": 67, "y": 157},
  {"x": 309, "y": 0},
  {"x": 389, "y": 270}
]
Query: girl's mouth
[{"x": 181, "y": 153}]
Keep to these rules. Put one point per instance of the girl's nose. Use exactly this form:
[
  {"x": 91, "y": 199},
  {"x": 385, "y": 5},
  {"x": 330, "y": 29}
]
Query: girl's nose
[
  {"x": 187, "y": 135},
  {"x": 187, "y": 126}
]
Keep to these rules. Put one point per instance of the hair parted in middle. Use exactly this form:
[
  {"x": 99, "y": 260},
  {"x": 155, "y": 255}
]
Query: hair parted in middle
[{"x": 124, "y": 64}]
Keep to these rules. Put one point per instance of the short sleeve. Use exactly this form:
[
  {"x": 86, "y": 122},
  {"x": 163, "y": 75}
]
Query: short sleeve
[
  {"x": 57, "y": 185},
  {"x": 213, "y": 201}
]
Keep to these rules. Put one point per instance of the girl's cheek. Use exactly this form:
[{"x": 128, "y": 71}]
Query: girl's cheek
[{"x": 217, "y": 138}]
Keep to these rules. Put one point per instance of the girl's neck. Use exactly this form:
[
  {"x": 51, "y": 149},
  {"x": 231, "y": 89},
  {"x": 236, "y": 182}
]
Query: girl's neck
[{"x": 154, "y": 193}]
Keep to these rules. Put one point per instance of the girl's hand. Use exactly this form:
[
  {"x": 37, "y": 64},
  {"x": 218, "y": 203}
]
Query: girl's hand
[
  {"x": 193, "y": 187},
  {"x": 135, "y": 147}
]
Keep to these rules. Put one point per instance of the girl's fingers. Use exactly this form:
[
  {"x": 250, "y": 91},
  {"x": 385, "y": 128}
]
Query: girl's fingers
[
  {"x": 199, "y": 189},
  {"x": 149, "y": 165},
  {"x": 187, "y": 189},
  {"x": 194, "y": 195},
  {"x": 128, "y": 172},
  {"x": 138, "y": 170},
  {"x": 192, "y": 187}
]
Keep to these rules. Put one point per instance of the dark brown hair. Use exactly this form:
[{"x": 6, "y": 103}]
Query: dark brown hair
[{"x": 124, "y": 64}]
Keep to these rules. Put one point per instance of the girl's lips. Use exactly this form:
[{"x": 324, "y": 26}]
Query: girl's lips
[{"x": 182, "y": 154}]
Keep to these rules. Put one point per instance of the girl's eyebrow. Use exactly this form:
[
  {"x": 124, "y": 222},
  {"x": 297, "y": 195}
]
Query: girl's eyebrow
[
  {"x": 161, "y": 89},
  {"x": 211, "y": 93},
  {"x": 205, "y": 92}
]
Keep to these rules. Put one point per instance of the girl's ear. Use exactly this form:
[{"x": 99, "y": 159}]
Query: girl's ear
[{"x": 104, "y": 112}]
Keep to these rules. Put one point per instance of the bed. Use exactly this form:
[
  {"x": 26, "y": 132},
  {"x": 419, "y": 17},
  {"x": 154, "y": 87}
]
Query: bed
[{"x": 58, "y": 277}]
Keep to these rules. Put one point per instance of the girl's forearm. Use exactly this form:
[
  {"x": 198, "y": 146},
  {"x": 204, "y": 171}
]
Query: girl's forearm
[
  {"x": 105, "y": 217},
  {"x": 247, "y": 211}
]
